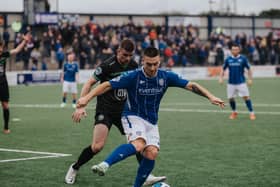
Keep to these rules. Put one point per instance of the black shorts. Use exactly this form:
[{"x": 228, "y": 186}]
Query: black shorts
[
  {"x": 109, "y": 119},
  {"x": 4, "y": 91}
]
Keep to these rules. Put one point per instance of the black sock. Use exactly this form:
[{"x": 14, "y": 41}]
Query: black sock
[
  {"x": 139, "y": 157},
  {"x": 6, "y": 114},
  {"x": 84, "y": 157}
]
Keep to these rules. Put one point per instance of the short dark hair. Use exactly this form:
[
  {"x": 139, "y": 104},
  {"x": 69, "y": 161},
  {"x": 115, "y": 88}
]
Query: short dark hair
[
  {"x": 151, "y": 52},
  {"x": 235, "y": 45},
  {"x": 127, "y": 45}
]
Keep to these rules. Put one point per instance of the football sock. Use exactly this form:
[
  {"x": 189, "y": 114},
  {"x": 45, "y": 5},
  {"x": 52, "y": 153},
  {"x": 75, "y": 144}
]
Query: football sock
[
  {"x": 6, "y": 114},
  {"x": 232, "y": 105},
  {"x": 120, "y": 153},
  {"x": 144, "y": 171},
  {"x": 74, "y": 101},
  {"x": 139, "y": 157},
  {"x": 84, "y": 157},
  {"x": 249, "y": 105},
  {"x": 64, "y": 99}
]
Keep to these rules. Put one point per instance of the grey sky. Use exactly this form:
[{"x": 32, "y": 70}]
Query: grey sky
[
  {"x": 158, "y": 6},
  {"x": 145, "y": 6}
]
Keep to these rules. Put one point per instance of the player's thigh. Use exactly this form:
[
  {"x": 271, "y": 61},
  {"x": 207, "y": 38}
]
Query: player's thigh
[
  {"x": 243, "y": 90},
  {"x": 65, "y": 87},
  {"x": 100, "y": 134},
  {"x": 134, "y": 128},
  {"x": 153, "y": 138},
  {"x": 4, "y": 92},
  {"x": 116, "y": 120},
  {"x": 73, "y": 88},
  {"x": 231, "y": 91}
]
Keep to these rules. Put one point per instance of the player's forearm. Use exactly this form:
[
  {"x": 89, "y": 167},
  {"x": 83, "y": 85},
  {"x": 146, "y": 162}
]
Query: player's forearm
[
  {"x": 199, "y": 90},
  {"x": 250, "y": 74},
  {"x": 18, "y": 48},
  {"x": 98, "y": 90},
  {"x": 86, "y": 89},
  {"x": 222, "y": 74}
]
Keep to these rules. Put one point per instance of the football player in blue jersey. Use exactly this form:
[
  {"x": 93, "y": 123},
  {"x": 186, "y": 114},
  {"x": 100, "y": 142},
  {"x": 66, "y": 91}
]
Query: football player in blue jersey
[
  {"x": 108, "y": 109},
  {"x": 236, "y": 65},
  {"x": 69, "y": 77},
  {"x": 145, "y": 88}
]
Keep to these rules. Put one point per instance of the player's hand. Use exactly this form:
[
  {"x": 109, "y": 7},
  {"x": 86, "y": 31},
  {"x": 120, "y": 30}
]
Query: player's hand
[
  {"x": 27, "y": 37},
  {"x": 217, "y": 101},
  {"x": 250, "y": 82},
  {"x": 221, "y": 81},
  {"x": 79, "y": 114},
  {"x": 82, "y": 102}
]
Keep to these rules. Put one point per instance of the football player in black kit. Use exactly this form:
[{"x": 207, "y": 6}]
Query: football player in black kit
[
  {"x": 108, "y": 108},
  {"x": 4, "y": 87}
]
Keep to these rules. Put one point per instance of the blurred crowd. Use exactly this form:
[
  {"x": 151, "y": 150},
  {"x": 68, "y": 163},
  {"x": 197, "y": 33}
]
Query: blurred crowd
[{"x": 179, "y": 45}]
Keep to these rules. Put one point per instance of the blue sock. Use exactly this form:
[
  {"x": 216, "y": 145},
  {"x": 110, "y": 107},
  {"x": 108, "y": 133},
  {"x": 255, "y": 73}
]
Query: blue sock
[
  {"x": 232, "y": 105},
  {"x": 64, "y": 99},
  {"x": 120, "y": 153},
  {"x": 249, "y": 105},
  {"x": 74, "y": 101},
  {"x": 144, "y": 171}
]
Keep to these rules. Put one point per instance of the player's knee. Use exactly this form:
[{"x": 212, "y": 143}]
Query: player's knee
[
  {"x": 5, "y": 105},
  {"x": 231, "y": 99},
  {"x": 246, "y": 98},
  {"x": 97, "y": 147},
  {"x": 139, "y": 144},
  {"x": 151, "y": 152}
]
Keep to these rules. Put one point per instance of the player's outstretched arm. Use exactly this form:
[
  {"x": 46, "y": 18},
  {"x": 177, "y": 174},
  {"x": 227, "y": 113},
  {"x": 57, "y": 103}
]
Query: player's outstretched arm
[
  {"x": 79, "y": 113},
  {"x": 221, "y": 77},
  {"x": 250, "y": 77},
  {"x": 98, "y": 90},
  {"x": 21, "y": 45},
  {"x": 198, "y": 89},
  {"x": 87, "y": 86}
]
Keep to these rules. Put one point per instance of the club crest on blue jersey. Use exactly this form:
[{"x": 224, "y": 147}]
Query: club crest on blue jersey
[{"x": 161, "y": 82}]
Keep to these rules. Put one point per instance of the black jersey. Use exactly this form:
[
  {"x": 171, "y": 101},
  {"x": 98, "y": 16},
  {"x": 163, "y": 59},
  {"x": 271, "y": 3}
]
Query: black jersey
[
  {"x": 3, "y": 61},
  {"x": 113, "y": 100}
]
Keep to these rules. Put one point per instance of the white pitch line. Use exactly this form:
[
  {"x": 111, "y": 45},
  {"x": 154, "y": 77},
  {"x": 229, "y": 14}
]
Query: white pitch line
[
  {"x": 165, "y": 109},
  {"x": 29, "y": 158},
  {"x": 162, "y": 104},
  {"x": 213, "y": 111},
  {"x": 33, "y": 152},
  {"x": 48, "y": 155},
  {"x": 205, "y": 104}
]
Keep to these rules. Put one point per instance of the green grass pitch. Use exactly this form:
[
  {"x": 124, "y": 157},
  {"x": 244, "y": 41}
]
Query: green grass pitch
[{"x": 200, "y": 146}]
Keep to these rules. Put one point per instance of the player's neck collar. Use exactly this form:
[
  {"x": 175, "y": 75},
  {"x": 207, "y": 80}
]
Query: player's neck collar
[
  {"x": 147, "y": 76},
  {"x": 235, "y": 56}
]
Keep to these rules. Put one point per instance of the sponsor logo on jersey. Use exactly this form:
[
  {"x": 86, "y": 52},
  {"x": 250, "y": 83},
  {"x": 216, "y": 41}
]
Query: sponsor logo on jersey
[
  {"x": 150, "y": 91},
  {"x": 120, "y": 94},
  {"x": 235, "y": 64}
]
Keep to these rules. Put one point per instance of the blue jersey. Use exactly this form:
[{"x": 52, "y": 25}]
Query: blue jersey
[
  {"x": 70, "y": 70},
  {"x": 144, "y": 94},
  {"x": 236, "y": 66}
]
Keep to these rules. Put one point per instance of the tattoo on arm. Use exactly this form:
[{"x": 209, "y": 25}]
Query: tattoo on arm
[{"x": 195, "y": 89}]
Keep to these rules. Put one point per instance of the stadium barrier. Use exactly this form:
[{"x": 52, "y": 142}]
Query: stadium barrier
[{"x": 191, "y": 73}]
